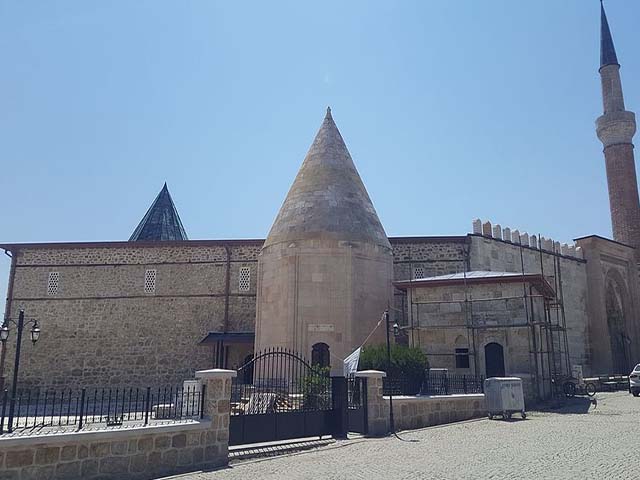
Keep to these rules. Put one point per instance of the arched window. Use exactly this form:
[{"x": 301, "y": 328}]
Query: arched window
[{"x": 320, "y": 355}]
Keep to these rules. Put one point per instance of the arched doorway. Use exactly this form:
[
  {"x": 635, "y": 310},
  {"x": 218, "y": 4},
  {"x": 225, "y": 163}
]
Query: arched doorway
[
  {"x": 494, "y": 360},
  {"x": 320, "y": 355},
  {"x": 615, "y": 324}
]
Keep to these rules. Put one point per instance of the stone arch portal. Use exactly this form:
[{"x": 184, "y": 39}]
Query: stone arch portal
[{"x": 615, "y": 300}]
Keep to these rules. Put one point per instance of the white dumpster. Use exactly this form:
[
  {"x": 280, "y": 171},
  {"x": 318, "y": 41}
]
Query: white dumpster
[{"x": 504, "y": 396}]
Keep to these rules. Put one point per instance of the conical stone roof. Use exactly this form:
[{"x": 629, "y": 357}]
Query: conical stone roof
[
  {"x": 327, "y": 198},
  {"x": 161, "y": 222}
]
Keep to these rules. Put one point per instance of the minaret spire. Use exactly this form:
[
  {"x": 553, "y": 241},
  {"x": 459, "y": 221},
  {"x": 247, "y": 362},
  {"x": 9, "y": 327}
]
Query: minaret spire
[
  {"x": 607, "y": 49},
  {"x": 616, "y": 128}
]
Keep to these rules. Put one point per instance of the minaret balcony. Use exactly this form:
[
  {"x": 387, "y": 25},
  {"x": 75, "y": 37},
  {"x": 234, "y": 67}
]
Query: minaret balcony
[{"x": 615, "y": 128}]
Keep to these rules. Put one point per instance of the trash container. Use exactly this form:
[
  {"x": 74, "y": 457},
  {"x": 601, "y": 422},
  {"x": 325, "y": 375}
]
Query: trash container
[{"x": 504, "y": 396}]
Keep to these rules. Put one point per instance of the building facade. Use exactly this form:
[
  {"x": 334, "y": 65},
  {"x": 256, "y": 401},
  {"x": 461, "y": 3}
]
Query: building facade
[{"x": 152, "y": 310}]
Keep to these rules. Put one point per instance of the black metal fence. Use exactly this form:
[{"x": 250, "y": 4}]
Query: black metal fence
[
  {"x": 433, "y": 384},
  {"x": 279, "y": 380},
  {"x": 50, "y": 411}
]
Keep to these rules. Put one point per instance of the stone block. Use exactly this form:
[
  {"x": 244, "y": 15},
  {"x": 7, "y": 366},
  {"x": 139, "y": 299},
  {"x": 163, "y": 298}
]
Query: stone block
[
  {"x": 198, "y": 455},
  {"x": 185, "y": 456},
  {"x": 114, "y": 464},
  {"x": 162, "y": 442},
  {"x": 83, "y": 451},
  {"x": 9, "y": 474},
  {"x": 89, "y": 467},
  {"x": 179, "y": 440},
  {"x": 120, "y": 448},
  {"x": 68, "y": 452},
  {"x": 170, "y": 458},
  {"x": 101, "y": 449},
  {"x": 138, "y": 463},
  {"x": 68, "y": 470},
  {"x": 486, "y": 229},
  {"x": 19, "y": 458},
  {"x": 46, "y": 472},
  {"x": 477, "y": 226},
  {"x": 193, "y": 439},
  {"x": 211, "y": 452},
  {"x": 145, "y": 444},
  {"x": 47, "y": 455}
]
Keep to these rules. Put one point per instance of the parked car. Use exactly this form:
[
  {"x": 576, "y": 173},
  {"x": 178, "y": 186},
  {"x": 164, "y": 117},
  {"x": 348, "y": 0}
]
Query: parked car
[{"x": 634, "y": 381}]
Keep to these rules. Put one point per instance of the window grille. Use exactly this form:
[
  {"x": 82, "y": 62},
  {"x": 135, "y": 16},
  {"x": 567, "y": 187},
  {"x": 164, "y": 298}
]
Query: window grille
[
  {"x": 418, "y": 272},
  {"x": 150, "y": 281},
  {"x": 54, "y": 282},
  {"x": 462, "y": 358},
  {"x": 244, "y": 282}
]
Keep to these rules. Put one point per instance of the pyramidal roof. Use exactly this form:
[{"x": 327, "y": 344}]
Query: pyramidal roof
[
  {"x": 161, "y": 222},
  {"x": 327, "y": 198},
  {"x": 607, "y": 49}
]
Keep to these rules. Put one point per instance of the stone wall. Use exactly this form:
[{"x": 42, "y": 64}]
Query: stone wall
[
  {"x": 498, "y": 311},
  {"x": 424, "y": 257},
  {"x": 132, "y": 453},
  {"x": 416, "y": 411},
  {"x": 497, "y": 255},
  {"x": 104, "y": 329}
]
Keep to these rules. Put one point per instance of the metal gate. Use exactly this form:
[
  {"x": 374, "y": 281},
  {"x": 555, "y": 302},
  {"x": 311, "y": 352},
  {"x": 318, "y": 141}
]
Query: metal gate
[
  {"x": 357, "y": 404},
  {"x": 278, "y": 396}
]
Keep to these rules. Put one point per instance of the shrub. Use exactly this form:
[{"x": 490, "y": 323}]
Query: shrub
[{"x": 408, "y": 364}]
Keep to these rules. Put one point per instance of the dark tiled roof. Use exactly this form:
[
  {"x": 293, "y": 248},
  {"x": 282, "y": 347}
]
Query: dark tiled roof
[
  {"x": 161, "y": 222},
  {"x": 607, "y": 50}
]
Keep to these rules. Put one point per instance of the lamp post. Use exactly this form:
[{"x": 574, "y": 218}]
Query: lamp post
[
  {"x": 396, "y": 329},
  {"x": 4, "y": 335}
]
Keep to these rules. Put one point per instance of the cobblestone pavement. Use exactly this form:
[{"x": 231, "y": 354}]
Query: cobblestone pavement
[{"x": 579, "y": 441}]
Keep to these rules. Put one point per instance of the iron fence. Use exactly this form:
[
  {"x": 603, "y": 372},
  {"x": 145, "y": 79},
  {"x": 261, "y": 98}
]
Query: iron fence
[
  {"x": 279, "y": 380},
  {"x": 433, "y": 384},
  {"x": 49, "y": 411}
]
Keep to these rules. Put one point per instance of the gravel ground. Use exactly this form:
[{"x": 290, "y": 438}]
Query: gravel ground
[{"x": 578, "y": 441}]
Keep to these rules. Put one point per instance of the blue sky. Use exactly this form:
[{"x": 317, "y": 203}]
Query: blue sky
[{"x": 451, "y": 110}]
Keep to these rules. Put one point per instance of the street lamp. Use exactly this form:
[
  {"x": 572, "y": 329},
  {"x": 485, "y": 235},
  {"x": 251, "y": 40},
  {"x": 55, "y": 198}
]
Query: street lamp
[
  {"x": 4, "y": 336},
  {"x": 396, "y": 331}
]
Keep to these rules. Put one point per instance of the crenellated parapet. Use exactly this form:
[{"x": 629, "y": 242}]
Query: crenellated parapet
[{"x": 514, "y": 236}]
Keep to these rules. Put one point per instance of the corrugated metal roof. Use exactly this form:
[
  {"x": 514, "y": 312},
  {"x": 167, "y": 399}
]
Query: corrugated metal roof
[{"x": 468, "y": 275}]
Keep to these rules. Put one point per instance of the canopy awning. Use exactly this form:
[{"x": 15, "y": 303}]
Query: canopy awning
[{"x": 228, "y": 337}]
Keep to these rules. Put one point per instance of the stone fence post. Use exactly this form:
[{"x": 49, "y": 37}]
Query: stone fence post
[
  {"x": 217, "y": 407},
  {"x": 377, "y": 407}
]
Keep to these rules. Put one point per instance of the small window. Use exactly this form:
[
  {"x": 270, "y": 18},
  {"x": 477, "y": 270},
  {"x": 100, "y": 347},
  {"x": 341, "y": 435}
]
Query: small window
[
  {"x": 244, "y": 282},
  {"x": 320, "y": 355},
  {"x": 462, "y": 358},
  {"x": 418, "y": 272},
  {"x": 150, "y": 281},
  {"x": 54, "y": 282}
]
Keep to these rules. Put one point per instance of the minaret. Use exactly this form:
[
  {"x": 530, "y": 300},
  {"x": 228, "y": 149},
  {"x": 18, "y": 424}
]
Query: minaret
[
  {"x": 325, "y": 270},
  {"x": 616, "y": 128}
]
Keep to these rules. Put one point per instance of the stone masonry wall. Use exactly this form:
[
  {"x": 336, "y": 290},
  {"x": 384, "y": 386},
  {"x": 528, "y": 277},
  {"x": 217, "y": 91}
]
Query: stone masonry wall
[
  {"x": 496, "y": 255},
  {"x": 102, "y": 329},
  {"x": 426, "y": 257},
  {"x": 498, "y": 311},
  {"x": 416, "y": 411},
  {"x": 419, "y": 412},
  {"x": 129, "y": 453}
]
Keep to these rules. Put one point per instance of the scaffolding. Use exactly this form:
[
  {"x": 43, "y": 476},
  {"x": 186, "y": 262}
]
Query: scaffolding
[{"x": 544, "y": 319}]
